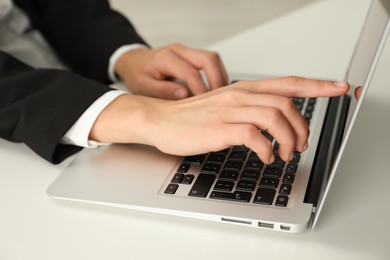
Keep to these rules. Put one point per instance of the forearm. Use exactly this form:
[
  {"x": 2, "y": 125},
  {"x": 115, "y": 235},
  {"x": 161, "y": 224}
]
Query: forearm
[
  {"x": 37, "y": 107},
  {"x": 84, "y": 33}
]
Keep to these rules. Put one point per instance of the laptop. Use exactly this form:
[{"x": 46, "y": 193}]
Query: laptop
[{"x": 233, "y": 186}]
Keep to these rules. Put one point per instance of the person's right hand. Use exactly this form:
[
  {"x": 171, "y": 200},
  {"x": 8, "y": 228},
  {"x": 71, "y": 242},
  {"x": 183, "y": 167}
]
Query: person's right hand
[{"x": 216, "y": 120}]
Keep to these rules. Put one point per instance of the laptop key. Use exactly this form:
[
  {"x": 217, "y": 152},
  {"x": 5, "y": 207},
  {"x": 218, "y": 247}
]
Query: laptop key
[
  {"x": 171, "y": 189},
  {"x": 211, "y": 167},
  {"x": 177, "y": 178},
  {"x": 273, "y": 172},
  {"x": 288, "y": 178},
  {"x": 281, "y": 201},
  {"x": 307, "y": 115},
  {"x": 254, "y": 155},
  {"x": 246, "y": 185},
  {"x": 238, "y": 155},
  {"x": 250, "y": 175},
  {"x": 296, "y": 158},
  {"x": 233, "y": 165},
  {"x": 309, "y": 108},
  {"x": 229, "y": 175},
  {"x": 188, "y": 178},
  {"x": 254, "y": 164},
  {"x": 264, "y": 196},
  {"x": 202, "y": 185},
  {"x": 224, "y": 185},
  {"x": 299, "y": 106},
  {"x": 240, "y": 148},
  {"x": 298, "y": 100},
  {"x": 183, "y": 168},
  {"x": 291, "y": 167},
  {"x": 195, "y": 159},
  {"x": 285, "y": 189},
  {"x": 312, "y": 101},
  {"x": 278, "y": 162},
  {"x": 268, "y": 182},
  {"x": 240, "y": 196},
  {"x": 216, "y": 157},
  {"x": 224, "y": 151}
]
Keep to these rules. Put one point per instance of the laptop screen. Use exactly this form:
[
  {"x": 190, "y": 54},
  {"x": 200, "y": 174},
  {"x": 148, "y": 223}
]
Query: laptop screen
[{"x": 367, "y": 54}]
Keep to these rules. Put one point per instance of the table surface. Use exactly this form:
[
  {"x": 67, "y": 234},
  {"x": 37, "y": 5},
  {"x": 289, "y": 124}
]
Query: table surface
[{"x": 354, "y": 223}]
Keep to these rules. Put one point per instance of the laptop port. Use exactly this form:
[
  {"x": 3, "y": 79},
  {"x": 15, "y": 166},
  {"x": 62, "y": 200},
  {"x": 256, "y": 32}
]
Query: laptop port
[
  {"x": 266, "y": 225},
  {"x": 238, "y": 221},
  {"x": 285, "y": 228}
]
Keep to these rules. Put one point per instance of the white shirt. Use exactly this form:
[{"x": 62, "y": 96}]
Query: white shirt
[
  {"x": 13, "y": 23},
  {"x": 79, "y": 132}
]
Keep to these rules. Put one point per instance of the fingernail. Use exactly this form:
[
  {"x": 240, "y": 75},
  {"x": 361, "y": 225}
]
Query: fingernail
[
  {"x": 291, "y": 157},
  {"x": 305, "y": 146},
  {"x": 340, "y": 83},
  {"x": 180, "y": 93},
  {"x": 271, "y": 159}
]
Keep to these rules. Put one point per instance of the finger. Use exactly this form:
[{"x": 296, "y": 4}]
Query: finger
[
  {"x": 290, "y": 112},
  {"x": 177, "y": 67},
  {"x": 270, "y": 119},
  {"x": 243, "y": 134},
  {"x": 208, "y": 61},
  {"x": 296, "y": 87},
  {"x": 213, "y": 67},
  {"x": 216, "y": 73},
  {"x": 224, "y": 73},
  {"x": 237, "y": 100},
  {"x": 164, "y": 89}
]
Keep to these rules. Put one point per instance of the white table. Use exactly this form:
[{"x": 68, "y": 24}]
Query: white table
[{"x": 356, "y": 219}]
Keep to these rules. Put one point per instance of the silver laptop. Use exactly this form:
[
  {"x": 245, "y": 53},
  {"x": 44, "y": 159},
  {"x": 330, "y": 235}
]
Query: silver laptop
[{"x": 233, "y": 185}]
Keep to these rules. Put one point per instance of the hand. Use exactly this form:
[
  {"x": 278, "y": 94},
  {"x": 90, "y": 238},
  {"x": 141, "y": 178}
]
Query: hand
[
  {"x": 150, "y": 71},
  {"x": 217, "y": 119}
]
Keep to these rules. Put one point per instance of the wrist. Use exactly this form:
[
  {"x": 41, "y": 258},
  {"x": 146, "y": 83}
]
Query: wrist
[
  {"x": 124, "y": 120},
  {"x": 118, "y": 53},
  {"x": 125, "y": 62}
]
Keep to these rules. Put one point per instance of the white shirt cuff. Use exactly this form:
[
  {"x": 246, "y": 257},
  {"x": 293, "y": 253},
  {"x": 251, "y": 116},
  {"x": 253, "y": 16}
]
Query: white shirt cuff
[
  {"x": 115, "y": 56},
  {"x": 78, "y": 134}
]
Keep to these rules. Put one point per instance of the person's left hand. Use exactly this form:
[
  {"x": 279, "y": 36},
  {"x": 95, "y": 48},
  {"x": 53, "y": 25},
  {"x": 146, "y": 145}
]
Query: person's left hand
[{"x": 151, "y": 72}]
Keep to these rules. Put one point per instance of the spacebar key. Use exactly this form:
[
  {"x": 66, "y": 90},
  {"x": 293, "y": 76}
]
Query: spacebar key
[
  {"x": 240, "y": 196},
  {"x": 202, "y": 185}
]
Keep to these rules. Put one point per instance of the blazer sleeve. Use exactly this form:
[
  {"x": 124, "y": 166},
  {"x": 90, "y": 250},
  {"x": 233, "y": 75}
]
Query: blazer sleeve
[
  {"x": 85, "y": 33},
  {"x": 38, "y": 106}
]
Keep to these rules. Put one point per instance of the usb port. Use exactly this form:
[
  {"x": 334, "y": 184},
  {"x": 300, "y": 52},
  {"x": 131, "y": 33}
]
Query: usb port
[{"x": 266, "y": 225}]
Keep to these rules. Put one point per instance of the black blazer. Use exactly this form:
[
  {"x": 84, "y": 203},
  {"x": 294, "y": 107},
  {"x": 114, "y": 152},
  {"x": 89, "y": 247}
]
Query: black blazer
[{"x": 38, "y": 106}]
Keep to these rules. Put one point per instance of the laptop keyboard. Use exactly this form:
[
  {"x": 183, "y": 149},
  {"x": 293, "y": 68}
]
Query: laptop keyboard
[{"x": 237, "y": 173}]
